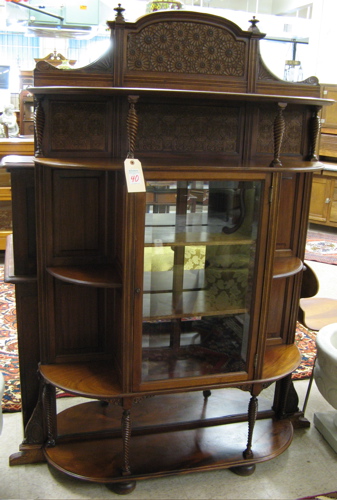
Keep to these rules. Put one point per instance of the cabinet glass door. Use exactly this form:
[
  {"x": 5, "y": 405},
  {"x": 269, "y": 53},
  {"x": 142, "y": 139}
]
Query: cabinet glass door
[{"x": 199, "y": 264}]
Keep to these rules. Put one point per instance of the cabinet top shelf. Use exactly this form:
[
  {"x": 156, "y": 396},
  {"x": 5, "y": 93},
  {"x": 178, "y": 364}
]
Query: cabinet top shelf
[
  {"x": 162, "y": 166},
  {"x": 178, "y": 93}
]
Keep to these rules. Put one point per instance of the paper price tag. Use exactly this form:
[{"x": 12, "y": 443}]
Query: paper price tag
[{"x": 134, "y": 176}]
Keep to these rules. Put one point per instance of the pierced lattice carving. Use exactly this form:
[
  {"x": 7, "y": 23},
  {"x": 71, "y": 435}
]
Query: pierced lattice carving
[
  {"x": 78, "y": 126},
  {"x": 188, "y": 129},
  {"x": 186, "y": 47}
]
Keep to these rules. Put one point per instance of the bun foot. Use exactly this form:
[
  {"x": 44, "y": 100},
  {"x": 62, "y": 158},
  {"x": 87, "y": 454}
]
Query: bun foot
[
  {"x": 244, "y": 470},
  {"x": 122, "y": 488}
]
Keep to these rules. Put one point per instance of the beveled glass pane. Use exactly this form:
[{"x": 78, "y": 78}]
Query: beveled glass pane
[{"x": 199, "y": 261}]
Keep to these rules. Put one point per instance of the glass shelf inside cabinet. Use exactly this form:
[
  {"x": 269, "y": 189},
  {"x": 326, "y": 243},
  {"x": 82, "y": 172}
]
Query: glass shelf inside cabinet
[{"x": 199, "y": 265}]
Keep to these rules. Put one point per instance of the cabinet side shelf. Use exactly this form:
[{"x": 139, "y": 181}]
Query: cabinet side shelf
[
  {"x": 90, "y": 275},
  {"x": 96, "y": 379},
  {"x": 287, "y": 266}
]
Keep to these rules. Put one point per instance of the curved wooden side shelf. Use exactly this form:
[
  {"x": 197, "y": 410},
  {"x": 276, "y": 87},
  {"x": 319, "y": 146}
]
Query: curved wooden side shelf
[
  {"x": 287, "y": 266},
  {"x": 98, "y": 276},
  {"x": 280, "y": 360},
  {"x": 9, "y": 268},
  {"x": 90, "y": 380}
]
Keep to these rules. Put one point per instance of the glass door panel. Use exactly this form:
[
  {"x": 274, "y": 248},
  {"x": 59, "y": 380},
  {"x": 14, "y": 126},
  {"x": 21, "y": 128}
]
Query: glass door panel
[{"x": 199, "y": 261}]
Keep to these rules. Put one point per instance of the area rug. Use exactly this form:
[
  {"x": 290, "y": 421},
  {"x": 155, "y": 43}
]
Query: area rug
[
  {"x": 9, "y": 361},
  {"x": 305, "y": 341},
  {"x": 321, "y": 247}
]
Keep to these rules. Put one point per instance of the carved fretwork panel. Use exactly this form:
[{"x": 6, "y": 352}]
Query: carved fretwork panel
[
  {"x": 186, "y": 47},
  {"x": 78, "y": 126},
  {"x": 189, "y": 129},
  {"x": 292, "y": 142}
]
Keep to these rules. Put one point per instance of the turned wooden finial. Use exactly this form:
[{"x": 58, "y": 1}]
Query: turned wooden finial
[
  {"x": 119, "y": 14},
  {"x": 253, "y": 26}
]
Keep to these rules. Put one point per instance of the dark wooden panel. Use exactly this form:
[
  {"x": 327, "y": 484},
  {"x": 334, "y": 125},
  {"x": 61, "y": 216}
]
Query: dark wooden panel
[
  {"x": 79, "y": 320},
  {"x": 78, "y": 204},
  {"x": 24, "y": 230},
  {"x": 275, "y": 315}
]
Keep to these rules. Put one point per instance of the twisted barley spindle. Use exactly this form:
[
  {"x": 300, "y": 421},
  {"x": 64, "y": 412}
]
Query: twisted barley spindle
[
  {"x": 315, "y": 124},
  {"x": 252, "y": 414},
  {"x": 39, "y": 120},
  {"x": 126, "y": 432},
  {"x": 279, "y": 128},
  {"x": 132, "y": 125}
]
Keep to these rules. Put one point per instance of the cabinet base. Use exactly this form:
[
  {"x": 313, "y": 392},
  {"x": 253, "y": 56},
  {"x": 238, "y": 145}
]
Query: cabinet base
[{"x": 96, "y": 454}]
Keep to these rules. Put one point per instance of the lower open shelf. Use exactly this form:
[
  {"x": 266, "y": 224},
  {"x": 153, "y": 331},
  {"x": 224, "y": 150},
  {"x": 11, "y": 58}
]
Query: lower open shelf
[{"x": 93, "y": 449}]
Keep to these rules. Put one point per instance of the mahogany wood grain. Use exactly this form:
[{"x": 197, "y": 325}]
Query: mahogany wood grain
[
  {"x": 287, "y": 266},
  {"x": 185, "y": 451},
  {"x": 82, "y": 324}
]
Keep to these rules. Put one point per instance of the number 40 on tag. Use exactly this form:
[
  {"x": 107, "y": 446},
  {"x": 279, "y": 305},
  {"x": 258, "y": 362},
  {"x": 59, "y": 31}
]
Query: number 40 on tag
[{"x": 134, "y": 176}]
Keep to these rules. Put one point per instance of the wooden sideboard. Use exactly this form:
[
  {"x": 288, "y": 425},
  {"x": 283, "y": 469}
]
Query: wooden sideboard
[
  {"x": 328, "y": 133},
  {"x": 153, "y": 304},
  {"x": 21, "y": 146},
  {"x": 323, "y": 204}
]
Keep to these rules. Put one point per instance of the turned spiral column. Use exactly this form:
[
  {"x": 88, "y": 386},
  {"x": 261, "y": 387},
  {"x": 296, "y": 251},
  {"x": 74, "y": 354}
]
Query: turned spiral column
[
  {"x": 252, "y": 414},
  {"x": 279, "y": 129},
  {"x": 39, "y": 120},
  {"x": 315, "y": 124},
  {"x": 126, "y": 434},
  {"x": 132, "y": 125}
]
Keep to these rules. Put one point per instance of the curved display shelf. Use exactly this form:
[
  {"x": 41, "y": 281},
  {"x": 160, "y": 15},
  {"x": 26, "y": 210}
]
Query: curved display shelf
[
  {"x": 287, "y": 266},
  {"x": 90, "y": 380},
  {"x": 280, "y": 360},
  {"x": 98, "y": 276}
]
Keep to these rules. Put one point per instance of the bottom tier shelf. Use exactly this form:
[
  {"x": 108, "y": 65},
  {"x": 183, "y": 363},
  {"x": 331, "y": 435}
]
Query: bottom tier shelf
[{"x": 163, "y": 453}]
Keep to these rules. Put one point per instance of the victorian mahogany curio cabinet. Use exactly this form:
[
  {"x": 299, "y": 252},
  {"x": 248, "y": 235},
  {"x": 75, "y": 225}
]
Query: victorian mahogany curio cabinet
[{"x": 171, "y": 305}]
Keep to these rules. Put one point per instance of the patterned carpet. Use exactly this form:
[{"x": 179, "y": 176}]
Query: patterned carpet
[
  {"x": 9, "y": 362},
  {"x": 321, "y": 247},
  {"x": 9, "y": 359}
]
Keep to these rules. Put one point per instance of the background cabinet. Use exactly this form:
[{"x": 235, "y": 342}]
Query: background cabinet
[
  {"x": 328, "y": 134},
  {"x": 323, "y": 205}
]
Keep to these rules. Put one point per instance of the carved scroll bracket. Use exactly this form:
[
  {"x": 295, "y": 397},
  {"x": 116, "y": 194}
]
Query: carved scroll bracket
[
  {"x": 279, "y": 128},
  {"x": 315, "y": 124},
  {"x": 132, "y": 124}
]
